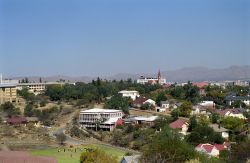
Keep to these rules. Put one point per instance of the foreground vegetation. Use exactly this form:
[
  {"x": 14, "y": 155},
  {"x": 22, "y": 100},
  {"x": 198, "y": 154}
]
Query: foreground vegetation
[{"x": 72, "y": 155}]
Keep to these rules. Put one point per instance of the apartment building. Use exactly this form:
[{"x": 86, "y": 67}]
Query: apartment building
[
  {"x": 105, "y": 119},
  {"x": 8, "y": 93},
  {"x": 36, "y": 88}
]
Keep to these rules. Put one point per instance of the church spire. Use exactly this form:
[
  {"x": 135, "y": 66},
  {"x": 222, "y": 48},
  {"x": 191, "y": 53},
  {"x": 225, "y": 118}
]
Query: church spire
[{"x": 159, "y": 76}]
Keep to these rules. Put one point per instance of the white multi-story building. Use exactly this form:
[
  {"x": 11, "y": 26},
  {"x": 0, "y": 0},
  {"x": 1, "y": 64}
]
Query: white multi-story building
[
  {"x": 105, "y": 119},
  {"x": 132, "y": 94},
  {"x": 37, "y": 88}
]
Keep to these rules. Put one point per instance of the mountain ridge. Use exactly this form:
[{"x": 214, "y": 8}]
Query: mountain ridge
[{"x": 179, "y": 75}]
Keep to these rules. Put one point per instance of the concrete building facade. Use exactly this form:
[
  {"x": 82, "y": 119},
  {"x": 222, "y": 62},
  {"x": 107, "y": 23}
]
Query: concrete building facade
[{"x": 8, "y": 93}]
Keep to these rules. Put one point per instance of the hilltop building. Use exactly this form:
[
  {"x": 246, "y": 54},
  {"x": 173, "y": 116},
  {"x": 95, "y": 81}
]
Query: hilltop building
[
  {"x": 8, "y": 93},
  {"x": 105, "y": 119},
  {"x": 152, "y": 80}
]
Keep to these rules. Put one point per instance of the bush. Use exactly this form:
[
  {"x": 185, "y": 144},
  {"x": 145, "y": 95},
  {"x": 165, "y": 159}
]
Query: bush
[
  {"x": 97, "y": 155},
  {"x": 75, "y": 131}
]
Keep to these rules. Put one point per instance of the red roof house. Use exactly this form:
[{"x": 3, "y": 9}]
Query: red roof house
[
  {"x": 138, "y": 102},
  {"x": 213, "y": 150},
  {"x": 180, "y": 124},
  {"x": 200, "y": 84}
]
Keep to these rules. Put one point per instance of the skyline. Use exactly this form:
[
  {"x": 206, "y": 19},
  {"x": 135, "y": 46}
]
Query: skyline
[{"x": 95, "y": 38}]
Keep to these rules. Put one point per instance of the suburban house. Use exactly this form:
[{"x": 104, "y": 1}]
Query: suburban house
[
  {"x": 160, "y": 109},
  {"x": 139, "y": 101},
  {"x": 233, "y": 98},
  {"x": 207, "y": 104},
  {"x": 199, "y": 110},
  {"x": 152, "y": 80},
  {"x": 150, "y": 102},
  {"x": 212, "y": 150},
  {"x": 130, "y": 159},
  {"x": 106, "y": 119},
  {"x": 132, "y": 94},
  {"x": 231, "y": 113},
  {"x": 176, "y": 105},
  {"x": 149, "y": 121},
  {"x": 165, "y": 104},
  {"x": 217, "y": 128},
  {"x": 181, "y": 125}
]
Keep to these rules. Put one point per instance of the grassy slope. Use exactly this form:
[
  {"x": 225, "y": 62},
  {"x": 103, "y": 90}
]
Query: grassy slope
[{"x": 65, "y": 157}]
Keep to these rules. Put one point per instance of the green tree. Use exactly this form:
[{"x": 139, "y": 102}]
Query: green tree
[
  {"x": 160, "y": 97},
  {"x": 185, "y": 109},
  {"x": 10, "y": 109},
  {"x": 118, "y": 102},
  {"x": 61, "y": 138},
  {"x": 240, "y": 152},
  {"x": 175, "y": 114},
  {"x": 204, "y": 134},
  {"x": 193, "y": 123},
  {"x": 214, "y": 117},
  {"x": 146, "y": 106},
  {"x": 167, "y": 147},
  {"x": 233, "y": 123},
  {"x": 28, "y": 110},
  {"x": 191, "y": 93},
  {"x": 55, "y": 92}
]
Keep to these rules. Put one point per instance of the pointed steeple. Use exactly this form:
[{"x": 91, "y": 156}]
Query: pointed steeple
[{"x": 159, "y": 76}]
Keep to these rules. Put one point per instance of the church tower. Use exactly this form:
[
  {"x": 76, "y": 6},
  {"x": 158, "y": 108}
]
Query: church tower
[{"x": 159, "y": 76}]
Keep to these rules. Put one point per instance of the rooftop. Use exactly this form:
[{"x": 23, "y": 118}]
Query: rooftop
[
  {"x": 125, "y": 91},
  {"x": 4, "y": 85},
  {"x": 178, "y": 123},
  {"x": 218, "y": 128},
  {"x": 149, "y": 119},
  {"x": 111, "y": 120},
  {"x": 98, "y": 110}
]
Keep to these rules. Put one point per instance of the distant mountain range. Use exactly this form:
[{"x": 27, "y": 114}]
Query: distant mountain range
[{"x": 180, "y": 75}]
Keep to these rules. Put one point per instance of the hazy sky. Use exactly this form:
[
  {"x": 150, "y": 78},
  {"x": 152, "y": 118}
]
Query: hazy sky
[{"x": 104, "y": 37}]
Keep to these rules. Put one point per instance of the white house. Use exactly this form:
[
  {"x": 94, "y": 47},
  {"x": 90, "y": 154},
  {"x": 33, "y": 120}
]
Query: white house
[
  {"x": 165, "y": 104},
  {"x": 160, "y": 109},
  {"x": 231, "y": 113},
  {"x": 199, "y": 110},
  {"x": 132, "y": 94},
  {"x": 146, "y": 120}
]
